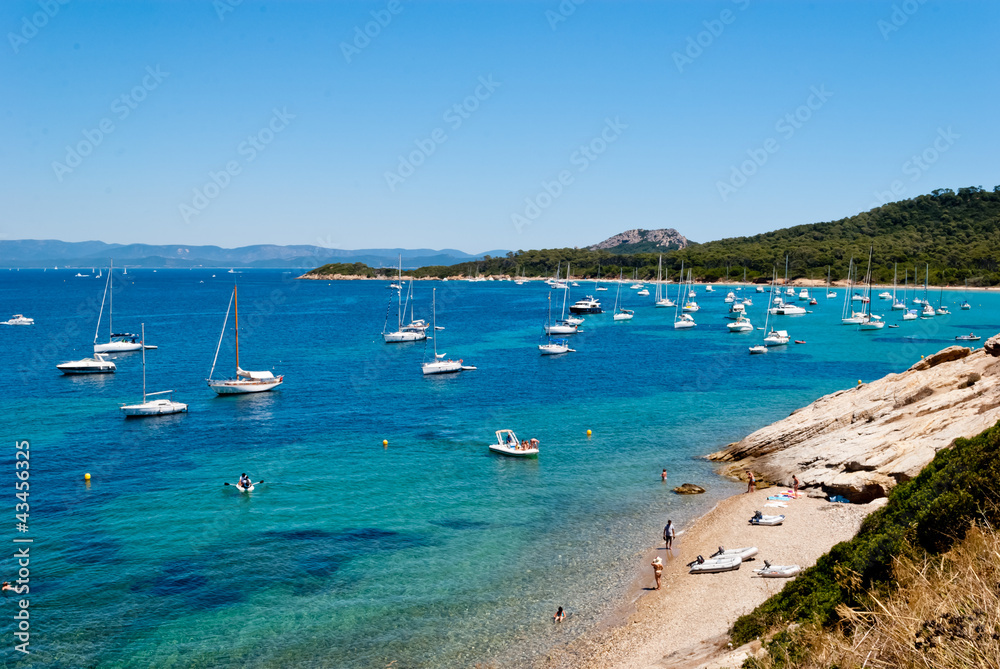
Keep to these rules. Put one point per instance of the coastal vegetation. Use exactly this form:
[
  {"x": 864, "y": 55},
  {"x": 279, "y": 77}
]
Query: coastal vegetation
[
  {"x": 346, "y": 269},
  {"x": 955, "y": 233},
  {"x": 925, "y": 520}
]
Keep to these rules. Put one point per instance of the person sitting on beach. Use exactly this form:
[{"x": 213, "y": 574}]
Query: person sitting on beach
[
  {"x": 751, "y": 482},
  {"x": 559, "y": 616}
]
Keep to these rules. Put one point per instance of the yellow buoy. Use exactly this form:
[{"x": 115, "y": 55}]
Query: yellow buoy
[
  {"x": 859, "y": 382},
  {"x": 86, "y": 476},
  {"x": 385, "y": 442},
  {"x": 589, "y": 433}
]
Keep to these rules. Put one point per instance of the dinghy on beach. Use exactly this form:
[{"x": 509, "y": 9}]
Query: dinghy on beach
[
  {"x": 777, "y": 571},
  {"x": 715, "y": 565},
  {"x": 744, "y": 554},
  {"x": 761, "y": 519}
]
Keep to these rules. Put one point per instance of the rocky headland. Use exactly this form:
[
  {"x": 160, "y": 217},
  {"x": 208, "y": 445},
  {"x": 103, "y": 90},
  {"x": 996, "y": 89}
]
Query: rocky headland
[{"x": 861, "y": 442}]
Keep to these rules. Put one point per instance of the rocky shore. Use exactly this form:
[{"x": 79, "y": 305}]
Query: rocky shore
[{"x": 861, "y": 442}]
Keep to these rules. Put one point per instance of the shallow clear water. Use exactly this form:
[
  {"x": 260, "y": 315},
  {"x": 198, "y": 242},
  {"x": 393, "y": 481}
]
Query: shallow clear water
[{"x": 430, "y": 552}]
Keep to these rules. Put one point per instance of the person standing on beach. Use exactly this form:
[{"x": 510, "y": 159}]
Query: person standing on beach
[
  {"x": 663, "y": 476},
  {"x": 668, "y": 535},
  {"x": 657, "y": 570},
  {"x": 751, "y": 482},
  {"x": 795, "y": 485}
]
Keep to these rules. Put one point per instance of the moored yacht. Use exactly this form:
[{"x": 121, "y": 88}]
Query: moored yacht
[
  {"x": 20, "y": 319},
  {"x": 96, "y": 365},
  {"x": 587, "y": 305}
]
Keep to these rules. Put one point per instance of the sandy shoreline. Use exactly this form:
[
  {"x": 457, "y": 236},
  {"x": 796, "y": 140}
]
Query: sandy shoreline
[{"x": 684, "y": 625}]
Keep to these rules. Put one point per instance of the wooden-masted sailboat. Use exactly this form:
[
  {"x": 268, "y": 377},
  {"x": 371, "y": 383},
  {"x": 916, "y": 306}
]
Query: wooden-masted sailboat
[{"x": 244, "y": 381}]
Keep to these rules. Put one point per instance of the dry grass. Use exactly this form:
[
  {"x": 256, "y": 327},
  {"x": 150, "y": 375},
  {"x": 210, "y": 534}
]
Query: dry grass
[{"x": 944, "y": 615}]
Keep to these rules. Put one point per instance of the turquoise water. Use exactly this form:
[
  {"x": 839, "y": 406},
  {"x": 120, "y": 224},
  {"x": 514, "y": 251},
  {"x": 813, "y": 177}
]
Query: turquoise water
[{"x": 430, "y": 552}]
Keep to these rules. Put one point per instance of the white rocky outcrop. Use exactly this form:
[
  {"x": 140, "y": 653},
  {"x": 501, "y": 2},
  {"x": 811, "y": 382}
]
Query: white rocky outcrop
[
  {"x": 667, "y": 238},
  {"x": 861, "y": 442}
]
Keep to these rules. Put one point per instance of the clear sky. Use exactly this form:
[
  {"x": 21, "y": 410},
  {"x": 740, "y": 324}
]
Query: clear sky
[{"x": 483, "y": 125}]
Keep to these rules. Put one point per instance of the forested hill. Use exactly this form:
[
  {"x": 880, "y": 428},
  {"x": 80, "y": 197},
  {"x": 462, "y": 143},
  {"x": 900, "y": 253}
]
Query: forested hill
[{"x": 956, "y": 233}]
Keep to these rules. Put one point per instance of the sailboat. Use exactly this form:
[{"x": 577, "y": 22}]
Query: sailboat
[
  {"x": 928, "y": 310},
  {"x": 941, "y": 310},
  {"x": 416, "y": 330},
  {"x": 662, "y": 300},
  {"x": 849, "y": 316},
  {"x": 564, "y": 325},
  {"x": 682, "y": 320},
  {"x": 898, "y": 304},
  {"x": 830, "y": 293},
  {"x": 965, "y": 306},
  {"x": 118, "y": 342},
  {"x": 597, "y": 283},
  {"x": 620, "y": 313},
  {"x": 152, "y": 407},
  {"x": 774, "y": 337},
  {"x": 690, "y": 306},
  {"x": 244, "y": 381},
  {"x": 553, "y": 346},
  {"x": 870, "y": 321},
  {"x": 439, "y": 365}
]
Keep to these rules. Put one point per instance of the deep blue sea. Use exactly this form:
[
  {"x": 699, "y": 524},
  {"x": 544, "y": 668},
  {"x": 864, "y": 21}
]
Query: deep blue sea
[{"x": 430, "y": 552}]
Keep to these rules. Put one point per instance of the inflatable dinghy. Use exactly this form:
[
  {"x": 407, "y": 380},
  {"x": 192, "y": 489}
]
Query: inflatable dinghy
[
  {"x": 242, "y": 489},
  {"x": 715, "y": 564},
  {"x": 761, "y": 519},
  {"x": 744, "y": 553},
  {"x": 777, "y": 571}
]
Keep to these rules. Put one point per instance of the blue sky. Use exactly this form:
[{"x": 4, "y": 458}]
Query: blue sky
[{"x": 247, "y": 122}]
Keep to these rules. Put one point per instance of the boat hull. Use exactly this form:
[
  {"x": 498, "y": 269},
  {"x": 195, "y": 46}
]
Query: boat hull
[
  {"x": 512, "y": 453},
  {"x": 117, "y": 347},
  {"x": 244, "y": 386},
  {"x": 402, "y": 337},
  {"x": 553, "y": 349},
  {"x": 586, "y": 310},
  {"x": 442, "y": 367},
  {"x": 155, "y": 408}
]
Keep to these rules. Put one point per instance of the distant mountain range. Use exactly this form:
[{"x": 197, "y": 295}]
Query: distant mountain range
[
  {"x": 52, "y": 253},
  {"x": 643, "y": 241}
]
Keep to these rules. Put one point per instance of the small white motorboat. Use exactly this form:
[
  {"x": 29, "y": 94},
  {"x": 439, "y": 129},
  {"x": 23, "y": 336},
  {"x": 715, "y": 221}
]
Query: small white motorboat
[
  {"x": 715, "y": 565},
  {"x": 745, "y": 554},
  {"x": 741, "y": 324},
  {"x": 776, "y": 338},
  {"x": 885, "y": 295},
  {"x": 968, "y": 337},
  {"x": 757, "y": 350},
  {"x": 778, "y": 571},
  {"x": 760, "y": 289},
  {"x": 508, "y": 444},
  {"x": 761, "y": 519},
  {"x": 709, "y": 289},
  {"x": 643, "y": 292},
  {"x": 927, "y": 311},
  {"x": 96, "y": 365},
  {"x": 20, "y": 319}
]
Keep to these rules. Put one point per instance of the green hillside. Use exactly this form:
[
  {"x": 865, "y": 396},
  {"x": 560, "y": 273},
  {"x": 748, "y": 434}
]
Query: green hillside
[{"x": 956, "y": 233}]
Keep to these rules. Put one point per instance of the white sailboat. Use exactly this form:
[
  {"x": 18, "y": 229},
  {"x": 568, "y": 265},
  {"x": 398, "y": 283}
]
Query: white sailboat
[
  {"x": 415, "y": 330},
  {"x": 244, "y": 381},
  {"x": 965, "y": 306},
  {"x": 440, "y": 365},
  {"x": 553, "y": 346},
  {"x": 898, "y": 304},
  {"x": 661, "y": 299},
  {"x": 849, "y": 316},
  {"x": 597, "y": 283},
  {"x": 869, "y": 321},
  {"x": 620, "y": 313},
  {"x": 682, "y": 321},
  {"x": 148, "y": 407},
  {"x": 830, "y": 293},
  {"x": 928, "y": 310},
  {"x": 118, "y": 342}
]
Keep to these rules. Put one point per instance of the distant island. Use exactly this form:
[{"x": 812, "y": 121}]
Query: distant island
[{"x": 953, "y": 236}]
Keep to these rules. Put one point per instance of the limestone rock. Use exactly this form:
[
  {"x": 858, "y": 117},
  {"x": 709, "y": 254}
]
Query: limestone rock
[
  {"x": 992, "y": 346},
  {"x": 689, "y": 489},
  {"x": 861, "y": 442}
]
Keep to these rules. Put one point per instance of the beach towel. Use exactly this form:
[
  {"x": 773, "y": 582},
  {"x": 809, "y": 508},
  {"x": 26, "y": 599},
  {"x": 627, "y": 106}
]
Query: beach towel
[
  {"x": 781, "y": 498},
  {"x": 780, "y": 505}
]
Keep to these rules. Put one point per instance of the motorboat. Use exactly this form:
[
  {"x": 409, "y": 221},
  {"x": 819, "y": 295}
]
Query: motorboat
[
  {"x": 776, "y": 338},
  {"x": 736, "y": 309},
  {"x": 244, "y": 382},
  {"x": 778, "y": 571},
  {"x": 709, "y": 289},
  {"x": 643, "y": 292},
  {"x": 965, "y": 306},
  {"x": 741, "y": 324},
  {"x": 757, "y": 350},
  {"x": 509, "y": 445},
  {"x": 692, "y": 294},
  {"x": 787, "y": 310},
  {"x": 588, "y": 305},
  {"x": 927, "y": 311},
  {"x": 968, "y": 337},
  {"x": 715, "y": 565},
  {"x": 885, "y": 295},
  {"x": 19, "y": 319},
  {"x": 730, "y": 297},
  {"x": 761, "y": 519},
  {"x": 760, "y": 289},
  {"x": 804, "y": 295},
  {"x": 99, "y": 364},
  {"x": 745, "y": 554},
  {"x": 910, "y": 315},
  {"x": 858, "y": 297}
]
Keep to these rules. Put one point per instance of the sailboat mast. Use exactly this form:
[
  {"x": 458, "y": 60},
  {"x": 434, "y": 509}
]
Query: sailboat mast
[
  {"x": 434, "y": 320},
  {"x": 144, "y": 363},
  {"x": 236, "y": 302},
  {"x": 111, "y": 302},
  {"x": 221, "y": 335},
  {"x": 399, "y": 295},
  {"x": 97, "y": 330}
]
